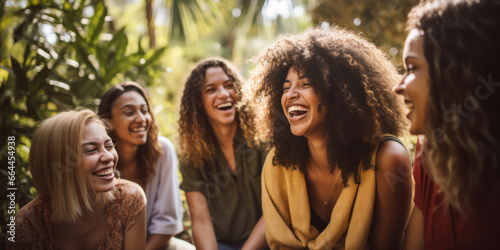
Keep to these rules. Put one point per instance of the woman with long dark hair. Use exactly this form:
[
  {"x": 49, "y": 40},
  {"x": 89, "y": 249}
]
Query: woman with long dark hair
[
  {"x": 451, "y": 90},
  {"x": 147, "y": 159}
]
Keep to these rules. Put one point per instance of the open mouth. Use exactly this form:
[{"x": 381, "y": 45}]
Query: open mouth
[
  {"x": 224, "y": 106},
  {"x": 140, "y": 129},
  {"x": 409, "y": 105},
  {"x": 107, "y": 172},
  {"x": 297, "y": 111}
]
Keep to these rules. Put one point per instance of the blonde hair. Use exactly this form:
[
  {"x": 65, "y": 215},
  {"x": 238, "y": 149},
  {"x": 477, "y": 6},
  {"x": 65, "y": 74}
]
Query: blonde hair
[{"x": 55, "y": 164}]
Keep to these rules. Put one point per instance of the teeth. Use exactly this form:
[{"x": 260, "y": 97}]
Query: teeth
[
  {"x": 224, "y": 105},
  {"x": 141, "y": 129},
  {"x": 104, "y": 172},
  {"x": 297, "y": 108},
  {"x": 409, "y": 105}
]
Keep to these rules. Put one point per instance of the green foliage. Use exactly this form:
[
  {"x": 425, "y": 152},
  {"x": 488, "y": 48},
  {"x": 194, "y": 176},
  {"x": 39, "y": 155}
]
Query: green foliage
[
  {"x": 381, "y": 21},
  {"x": 59, "y": 57}
]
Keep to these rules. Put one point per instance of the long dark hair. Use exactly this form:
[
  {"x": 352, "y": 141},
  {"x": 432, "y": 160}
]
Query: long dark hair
[
  {"x": 147, "y": 154},
  {"x": 461, "y": 45}
]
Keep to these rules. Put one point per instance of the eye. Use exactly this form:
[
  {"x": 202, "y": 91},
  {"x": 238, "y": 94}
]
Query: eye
[
  {"x": 129, "y": 112},
  {"x": 109, "y": 146},
  {"x": 209, "y": 90},
  {"x": 89, "y": 150},
  {"x": 286, "y": 88},
  {"x": 144, "y": 111},
  {"x": 306, "y": 84},
  {"x": 229, "y": 86}
]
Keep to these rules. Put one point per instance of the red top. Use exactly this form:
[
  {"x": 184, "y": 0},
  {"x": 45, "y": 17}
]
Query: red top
[{"x": 444, "y": 227}]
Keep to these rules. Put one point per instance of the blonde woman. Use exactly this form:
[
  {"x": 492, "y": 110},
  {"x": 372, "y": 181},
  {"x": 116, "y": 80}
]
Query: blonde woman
[{"x": 81, "y": 205}]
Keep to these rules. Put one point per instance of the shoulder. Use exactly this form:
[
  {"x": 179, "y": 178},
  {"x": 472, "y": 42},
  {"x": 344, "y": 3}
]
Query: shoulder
[
  {"x": 31, "y": 218},
  {"x": 393, "y": 157},
  {"x": 165, "y": 143},
  {"x": 128, "y": 192}
]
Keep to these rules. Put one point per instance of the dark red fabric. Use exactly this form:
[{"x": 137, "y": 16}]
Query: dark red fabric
[{"x": 444, "y": 227}]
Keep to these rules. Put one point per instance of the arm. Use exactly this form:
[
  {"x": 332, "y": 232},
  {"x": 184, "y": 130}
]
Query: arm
[
  {"x": 257, "y": 239},
  {"x": 201, "y": 222},
  {"x": 135, "y": 238},
  {"x": 158, "y": 241},
  {"x": 415, "y": 230},
  {"x": 165, "y": 219},
  {"x": 393, "y": 196}
]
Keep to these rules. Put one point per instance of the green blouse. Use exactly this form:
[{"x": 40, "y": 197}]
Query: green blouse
[{"x": 234, "y": 200}]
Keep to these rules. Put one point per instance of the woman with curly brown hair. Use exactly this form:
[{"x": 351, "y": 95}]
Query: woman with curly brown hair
[
  {"x": 221, "y": 171},
  {"x": 451, "y": 91},
  {"x": 323, "y": 98}
]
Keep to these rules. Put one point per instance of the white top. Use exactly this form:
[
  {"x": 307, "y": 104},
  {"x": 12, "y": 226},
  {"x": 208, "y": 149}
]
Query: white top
[{"x": 164, "y": 206}]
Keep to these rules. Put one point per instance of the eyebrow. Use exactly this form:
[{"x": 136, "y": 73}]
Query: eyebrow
[
  {"x": 212, "y": 84},
  {"x": 95, "y": 143},
  {"x": 131, "y": 106},
  {"x": 410, "y": 57}
]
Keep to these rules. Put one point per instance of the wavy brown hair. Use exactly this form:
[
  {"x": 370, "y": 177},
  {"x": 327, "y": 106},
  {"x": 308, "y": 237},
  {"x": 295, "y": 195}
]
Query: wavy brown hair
[
  {"x": 147, "y": 154},
  {"x": 196, "y": 137},
  {"x": 353, "y": 79},
  {"x": 462, "y": 149}
]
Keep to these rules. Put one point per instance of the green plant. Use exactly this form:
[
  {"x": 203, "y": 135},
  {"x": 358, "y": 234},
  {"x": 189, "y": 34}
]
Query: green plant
[{"x": 59, "y": 56}]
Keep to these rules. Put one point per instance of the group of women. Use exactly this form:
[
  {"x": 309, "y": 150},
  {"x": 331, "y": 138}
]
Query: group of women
[{"x": 303, "y": 155}]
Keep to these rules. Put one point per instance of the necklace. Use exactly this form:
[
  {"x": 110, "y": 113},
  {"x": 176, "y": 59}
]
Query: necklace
[{"x": 331, "y": 191}]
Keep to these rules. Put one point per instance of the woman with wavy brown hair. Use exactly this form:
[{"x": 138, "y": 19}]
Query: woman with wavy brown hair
[
  {"x": 323, "y": 98},
  {"x": 147, "y": 159},
  {"x": 220, "y": 168},
  {"x": 451, "y": 91}
]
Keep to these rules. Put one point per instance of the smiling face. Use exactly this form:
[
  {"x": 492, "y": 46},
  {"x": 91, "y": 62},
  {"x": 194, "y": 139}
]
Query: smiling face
[
  {"x": 130, "y": 119},
  {"x": 218, "y": 96},
  {"x": 99, "y": 158},
  {"x": 416, "y": 81},
  {"x": 301, "y": 105}
]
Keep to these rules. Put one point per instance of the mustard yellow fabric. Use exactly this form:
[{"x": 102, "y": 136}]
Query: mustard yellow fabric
[{"x": 287, "y": 214}]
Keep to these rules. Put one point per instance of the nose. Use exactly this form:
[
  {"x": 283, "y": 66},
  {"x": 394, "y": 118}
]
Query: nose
[
  {"x": 400, "y": 87},
  {"x": 223, "y": 93},
  {"x": 140, "y": 117},
  {"x": 107, "y": 156},
  {"x": 292, "y": 93}
]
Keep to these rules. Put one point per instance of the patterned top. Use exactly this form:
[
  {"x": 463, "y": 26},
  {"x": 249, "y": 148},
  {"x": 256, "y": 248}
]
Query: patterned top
[{"x": 34, "y": 230}]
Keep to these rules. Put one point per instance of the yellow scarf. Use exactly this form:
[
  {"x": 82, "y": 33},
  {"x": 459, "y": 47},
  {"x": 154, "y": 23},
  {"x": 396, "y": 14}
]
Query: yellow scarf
[{"x": 287, "y": 214}]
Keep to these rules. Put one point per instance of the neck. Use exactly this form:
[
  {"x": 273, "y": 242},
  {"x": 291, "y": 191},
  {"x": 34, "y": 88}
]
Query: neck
[
  {"x": 225, "y": 133},
  {"x": 318, "y": 155},
  {"x": 127, "y": 154}
]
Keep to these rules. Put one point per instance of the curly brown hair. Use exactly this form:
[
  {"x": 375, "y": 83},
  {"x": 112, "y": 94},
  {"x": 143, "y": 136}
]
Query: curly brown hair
[
  {"x": 462, "y": 149},
  {"x": 196, "y": 137},
  {"x": 353, "y": 79},
  {"x": 147, "y": 154}
]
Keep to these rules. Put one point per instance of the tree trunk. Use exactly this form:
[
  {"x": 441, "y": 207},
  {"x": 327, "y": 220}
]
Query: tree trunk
[{"x": 151, "y": 23}]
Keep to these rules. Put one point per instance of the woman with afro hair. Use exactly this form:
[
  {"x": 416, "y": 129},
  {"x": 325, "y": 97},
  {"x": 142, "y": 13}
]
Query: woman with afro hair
[
  {"x": 337, "y": 176},
  {"x": 221, "y": 170}
]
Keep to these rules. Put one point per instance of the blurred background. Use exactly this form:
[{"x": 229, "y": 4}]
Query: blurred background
[{"x": 59, "y": 54}]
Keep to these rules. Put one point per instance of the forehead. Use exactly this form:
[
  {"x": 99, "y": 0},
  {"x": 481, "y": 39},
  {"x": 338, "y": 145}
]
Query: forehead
[
  {"x": 215, "y": 73},
  {"x": 414, "y": 42},
  {"x": 94, "y": 132},
  {"x": 129, "y": 98}
]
